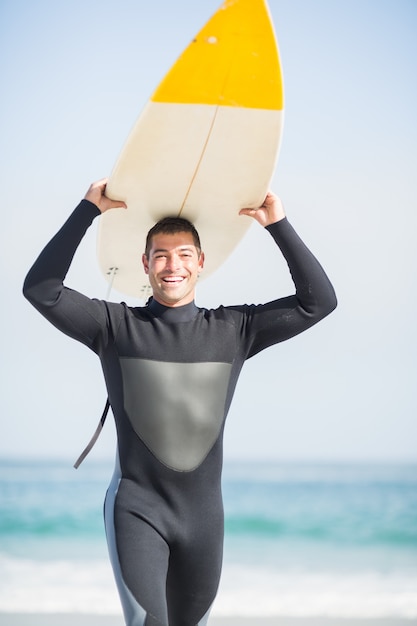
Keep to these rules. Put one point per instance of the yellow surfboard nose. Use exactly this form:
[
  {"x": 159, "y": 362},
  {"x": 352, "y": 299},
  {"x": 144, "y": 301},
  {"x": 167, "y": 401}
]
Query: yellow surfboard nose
[{"x": 233, "y": 61}]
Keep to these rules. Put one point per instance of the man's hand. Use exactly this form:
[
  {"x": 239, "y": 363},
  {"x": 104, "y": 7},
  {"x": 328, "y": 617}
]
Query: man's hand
[
  {"x": 269, "y": 212},
  {"x": 96, "y": 195}
]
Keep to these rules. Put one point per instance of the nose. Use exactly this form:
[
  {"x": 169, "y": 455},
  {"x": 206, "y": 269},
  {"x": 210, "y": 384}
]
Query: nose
[{"x": 172, "y": 262}]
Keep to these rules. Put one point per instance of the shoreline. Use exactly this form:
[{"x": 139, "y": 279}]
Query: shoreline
[{"x": 81, "y": 619}]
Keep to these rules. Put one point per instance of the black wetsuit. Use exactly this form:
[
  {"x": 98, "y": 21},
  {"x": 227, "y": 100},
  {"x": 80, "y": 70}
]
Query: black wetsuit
[{"x": 170, "y": 375}]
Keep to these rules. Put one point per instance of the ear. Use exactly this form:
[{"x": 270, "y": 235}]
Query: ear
[
  {"x": 201, "y": 261},
  {"x": 145, "y": 263}
]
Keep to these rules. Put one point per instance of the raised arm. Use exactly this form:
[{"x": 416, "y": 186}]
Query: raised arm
[
  {"x": 314, "y": 295},
  {"x": 70, "y": 311}
]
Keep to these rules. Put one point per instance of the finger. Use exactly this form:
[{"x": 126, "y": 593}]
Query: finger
[
  {"x": 99, "y": 184},
  {"x": 269, "y": 199},
  {"x": 118, "y": 204},
  {"x": 114, "y": 204},
  {"x": 249, "y": 212}
]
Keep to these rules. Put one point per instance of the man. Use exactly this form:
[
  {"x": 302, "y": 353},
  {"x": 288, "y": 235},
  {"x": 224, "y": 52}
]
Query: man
[{"x": 171, "y": 369}]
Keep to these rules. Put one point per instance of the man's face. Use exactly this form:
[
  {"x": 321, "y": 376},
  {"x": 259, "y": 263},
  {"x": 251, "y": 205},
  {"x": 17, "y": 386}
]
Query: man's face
[{"x": 173, "y": 266}]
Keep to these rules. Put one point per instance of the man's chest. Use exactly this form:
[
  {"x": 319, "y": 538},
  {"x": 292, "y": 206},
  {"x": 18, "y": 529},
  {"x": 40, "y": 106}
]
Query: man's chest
[{"x": 198, "y": 341}]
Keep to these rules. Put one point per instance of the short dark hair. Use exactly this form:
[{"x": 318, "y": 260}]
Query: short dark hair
[{"x": 171, "y": 226}]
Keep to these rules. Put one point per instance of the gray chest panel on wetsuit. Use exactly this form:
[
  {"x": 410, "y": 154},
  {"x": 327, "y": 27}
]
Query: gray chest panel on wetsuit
[{"x": 177, "y": 409}]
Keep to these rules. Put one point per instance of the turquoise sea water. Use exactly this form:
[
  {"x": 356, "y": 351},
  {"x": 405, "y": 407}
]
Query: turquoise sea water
[{"x": 301, "y": 539}]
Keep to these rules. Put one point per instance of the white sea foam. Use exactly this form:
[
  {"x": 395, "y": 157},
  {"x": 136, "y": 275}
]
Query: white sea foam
[
  {"x": 249, "y": 591},
  {"x": 88, "y": 587},
  {"x": 57, "y": 586}
]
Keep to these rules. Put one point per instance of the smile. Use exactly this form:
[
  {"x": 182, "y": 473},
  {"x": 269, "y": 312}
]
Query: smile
[{"x": 173, "y": 279}]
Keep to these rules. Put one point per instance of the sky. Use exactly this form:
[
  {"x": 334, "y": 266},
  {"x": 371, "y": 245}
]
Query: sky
[{"x": 74, "y": 78}]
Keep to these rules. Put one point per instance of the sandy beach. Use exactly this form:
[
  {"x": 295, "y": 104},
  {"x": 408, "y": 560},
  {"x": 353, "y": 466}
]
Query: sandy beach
[{"x": 75, "y": 619}]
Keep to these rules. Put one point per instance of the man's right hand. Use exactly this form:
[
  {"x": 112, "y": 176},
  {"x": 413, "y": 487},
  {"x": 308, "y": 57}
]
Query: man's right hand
[{"x": 96, "y": 195}]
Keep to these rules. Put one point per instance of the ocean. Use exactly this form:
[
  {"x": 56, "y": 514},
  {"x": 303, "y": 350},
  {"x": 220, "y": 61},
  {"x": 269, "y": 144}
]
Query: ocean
[{"x": 302, "y": 540}]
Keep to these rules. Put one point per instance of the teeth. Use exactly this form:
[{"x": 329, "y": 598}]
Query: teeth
[{"x": 176, "y": 279}]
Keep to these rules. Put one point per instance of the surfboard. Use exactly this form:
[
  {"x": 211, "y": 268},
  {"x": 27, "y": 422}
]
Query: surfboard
[{"x": 204, "y": 146}]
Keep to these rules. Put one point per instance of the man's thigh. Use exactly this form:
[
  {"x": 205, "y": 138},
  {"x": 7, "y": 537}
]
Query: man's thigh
[
  {"x": 144, "y": 557},
  {"x": 193, "y": 579}
]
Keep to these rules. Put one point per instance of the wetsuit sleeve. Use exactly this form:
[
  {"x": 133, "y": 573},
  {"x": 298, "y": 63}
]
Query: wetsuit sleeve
[
  {"x": 73, "y": 313},
  {"x": 314, "y": 297}
]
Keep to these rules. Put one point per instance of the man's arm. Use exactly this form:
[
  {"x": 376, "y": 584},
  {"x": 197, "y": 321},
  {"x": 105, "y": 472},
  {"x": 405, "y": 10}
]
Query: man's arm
[
  {"x": 314, "y": 296},
  {"x": 70, "y": 311}
]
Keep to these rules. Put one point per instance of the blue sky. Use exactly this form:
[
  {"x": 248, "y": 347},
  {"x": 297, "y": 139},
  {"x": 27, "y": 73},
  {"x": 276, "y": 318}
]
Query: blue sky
[{"x": 74, "y": 78}]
